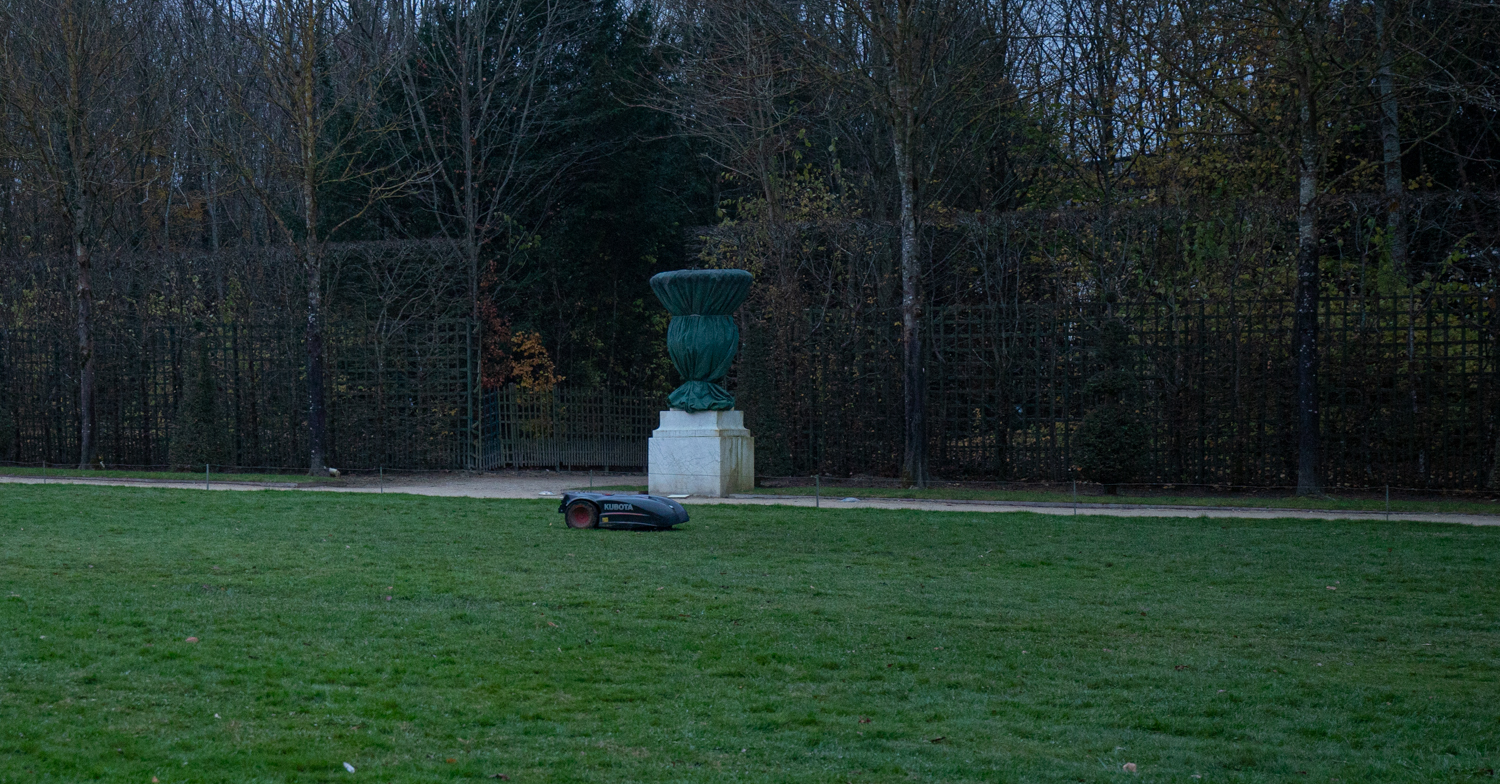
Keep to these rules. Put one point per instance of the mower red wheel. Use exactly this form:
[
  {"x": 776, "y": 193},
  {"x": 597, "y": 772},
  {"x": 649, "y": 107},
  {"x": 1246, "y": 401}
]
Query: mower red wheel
[{"x": 582, "y": 514}]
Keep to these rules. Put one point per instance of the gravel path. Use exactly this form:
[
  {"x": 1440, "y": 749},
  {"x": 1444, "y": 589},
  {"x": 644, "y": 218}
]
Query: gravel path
[{"x": 543, "y": 484}]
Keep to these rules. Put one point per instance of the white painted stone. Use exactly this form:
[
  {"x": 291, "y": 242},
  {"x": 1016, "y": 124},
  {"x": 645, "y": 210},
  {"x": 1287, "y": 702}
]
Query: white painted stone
[{"x": 702, "y": 453}]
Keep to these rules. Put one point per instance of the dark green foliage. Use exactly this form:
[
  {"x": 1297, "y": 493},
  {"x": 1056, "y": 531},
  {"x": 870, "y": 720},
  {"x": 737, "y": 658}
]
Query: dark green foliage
[
  {"x": 198, "y": 430},
  {"x": 1110, "y": 445},
  {"x": 622, "y": 219},
  {"x": 1111, "y": 384},
  {"x": 7, "y": 420},
  {"x": 614, "y": 186},
  {"x": 7, "y": 433}
]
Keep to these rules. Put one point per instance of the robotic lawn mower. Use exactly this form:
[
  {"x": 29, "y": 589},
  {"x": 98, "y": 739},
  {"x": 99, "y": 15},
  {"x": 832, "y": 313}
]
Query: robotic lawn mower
[{"x": 627, "y": 512}]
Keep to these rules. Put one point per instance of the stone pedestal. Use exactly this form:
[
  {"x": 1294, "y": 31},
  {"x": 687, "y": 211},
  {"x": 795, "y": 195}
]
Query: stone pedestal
[{"x": 707, "y": 453}]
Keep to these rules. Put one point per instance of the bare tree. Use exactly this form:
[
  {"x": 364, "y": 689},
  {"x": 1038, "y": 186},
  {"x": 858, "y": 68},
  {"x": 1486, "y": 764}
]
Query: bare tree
[
  {"x": 1283, "y": 70},
  {"x": 735, "y": 86},
  {"x": 1390, "y": 131},
  {"x": 68, "y": 81},
  {"x": 486, "y": 118},
  {"x": 929, "y": 71},
  {"x": 305, "y": 84}
]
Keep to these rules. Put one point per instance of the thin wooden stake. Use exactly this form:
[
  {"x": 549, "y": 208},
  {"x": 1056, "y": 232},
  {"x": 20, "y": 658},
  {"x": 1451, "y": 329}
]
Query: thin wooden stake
[
  {"x": 205, "y": 476},
  {"x": 817, "y": 491},
  {"x": 1075, "y": 497}
]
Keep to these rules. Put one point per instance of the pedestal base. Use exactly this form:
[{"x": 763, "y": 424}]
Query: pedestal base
[{"x": 707, "y": 453}]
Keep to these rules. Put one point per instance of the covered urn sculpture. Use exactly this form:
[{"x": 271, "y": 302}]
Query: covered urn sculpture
[{"x": 702, "y": 338}]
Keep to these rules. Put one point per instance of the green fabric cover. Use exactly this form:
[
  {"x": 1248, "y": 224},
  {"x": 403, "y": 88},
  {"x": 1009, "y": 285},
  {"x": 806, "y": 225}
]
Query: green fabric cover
[
  {"x": 700, "y": 396},
  {"x": 702, "y": 338},
  {"x": 702, "y": 348},
  {"x": 701, "y": 292}
]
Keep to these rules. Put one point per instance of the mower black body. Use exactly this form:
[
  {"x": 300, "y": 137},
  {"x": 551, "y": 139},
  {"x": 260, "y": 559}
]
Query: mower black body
[{"x": 627, "y": 511}]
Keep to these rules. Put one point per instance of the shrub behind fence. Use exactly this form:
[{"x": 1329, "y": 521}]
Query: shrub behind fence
[
  {"x": 568, "y": 428},
  {"x": 1409, "y": 395},
  {"x": 397, "y": 397},
  {"x": 1409, "y": 385}
]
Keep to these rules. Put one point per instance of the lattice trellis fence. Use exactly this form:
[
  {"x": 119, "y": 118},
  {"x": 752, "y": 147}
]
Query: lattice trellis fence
[
  {"x": 568, "y": 428},
  {"x": 1410, "y": 389},
  {"x": 396, "y": 398},
  {"x": 1410, "y": 385}
]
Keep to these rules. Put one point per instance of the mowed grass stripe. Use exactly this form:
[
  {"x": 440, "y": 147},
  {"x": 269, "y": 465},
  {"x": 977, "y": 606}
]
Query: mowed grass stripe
[{"x": 753, "y": 644}]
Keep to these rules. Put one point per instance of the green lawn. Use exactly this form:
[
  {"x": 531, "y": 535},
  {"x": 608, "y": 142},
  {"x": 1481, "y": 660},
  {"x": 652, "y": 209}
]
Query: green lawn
[
  {"x": 172, "y": 476},
  {"x": 1338, "y": 503},
  {"x": 431, "y": 639},
  {"x": 1158, "y": 498}
]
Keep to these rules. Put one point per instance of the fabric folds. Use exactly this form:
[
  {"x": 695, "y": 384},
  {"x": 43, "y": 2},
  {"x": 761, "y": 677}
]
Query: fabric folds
[
  {"x": 702, "y": 337},
  {"x": 701, "y": 292}
]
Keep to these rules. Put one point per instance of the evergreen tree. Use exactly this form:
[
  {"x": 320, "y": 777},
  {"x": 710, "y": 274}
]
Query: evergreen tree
[
  {"x": 197, "y": 434},
  {"x": 1110, "y": 445}
]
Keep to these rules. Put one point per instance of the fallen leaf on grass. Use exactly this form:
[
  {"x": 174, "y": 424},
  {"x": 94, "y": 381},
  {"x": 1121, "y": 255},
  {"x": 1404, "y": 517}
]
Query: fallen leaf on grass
[
  {"x": 191, "y": 639},
  {"x": 501, "y": 776},
  {"x": 938, "y": 739},
  {"x": 864, "y": 719},
  {"x": 1128, "y": 767},
  {"x": 451, "y": 760},
  {"x": 553, "y": 625},
  {"x": 348, "y": 767}
]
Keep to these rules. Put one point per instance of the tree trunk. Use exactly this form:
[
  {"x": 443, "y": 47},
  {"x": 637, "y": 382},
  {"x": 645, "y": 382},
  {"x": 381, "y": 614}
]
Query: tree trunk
[
  {"x": 86, "y": 358},
  {"x": 317, "y": 415},
  {"x": 1306, "y": 314},
  {"x": 312, "y": 250},
  {"x": 914, "y": 376},
  {"x": 1390, "y": 141},
  {"x": 471, "y": 232},
  {"x": 1395, "y": 192}
]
